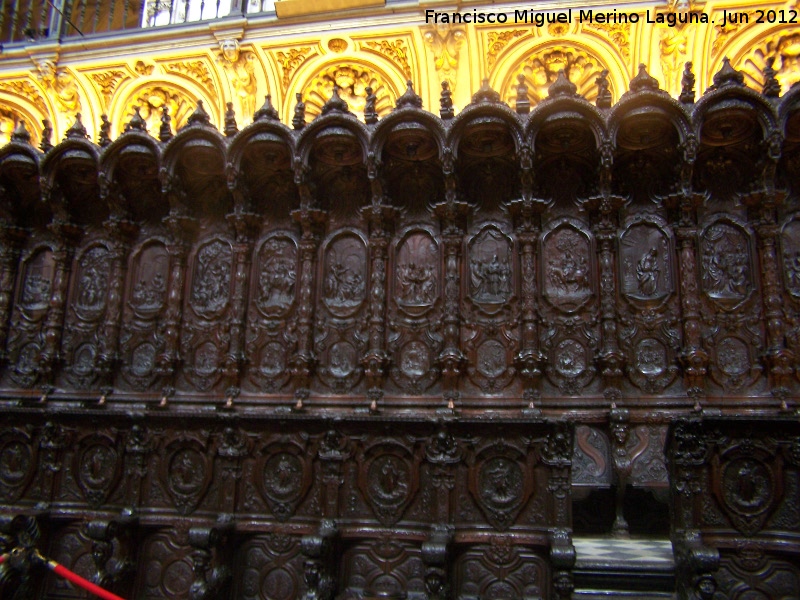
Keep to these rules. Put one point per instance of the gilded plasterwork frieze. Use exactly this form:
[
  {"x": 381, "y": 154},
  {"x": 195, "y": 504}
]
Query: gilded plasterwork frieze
[
  {"x": 197, "y": 71},
  {"x": 152, "y": 99},
  {"x": 106, "y": 82},
  {"x": 353, "y": 80},
  {"x": 618, "y": 33},
  {"x": 61, "y": 84},
  {"x": 445, "y": 42},
  {"x": 497, "y": 42},
  {"x": 784, "y": 47},
  {"x": 239, "y": 65},
  {"x": 541, "y": 70},
  {"x": 289, "y": 61},
  {"x": 25, "y": 89},
  {"x": 395, "y": 50}
]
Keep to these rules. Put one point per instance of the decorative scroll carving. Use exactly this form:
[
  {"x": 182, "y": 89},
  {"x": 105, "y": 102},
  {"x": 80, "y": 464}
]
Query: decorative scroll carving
[
  {"x": 152, "y": 99},
  {"x": 445, "y": 42},
  {"x": 290, "y": 61},
  {"x": 197, "y": 71},
  {"x": 394, "y": 50}
]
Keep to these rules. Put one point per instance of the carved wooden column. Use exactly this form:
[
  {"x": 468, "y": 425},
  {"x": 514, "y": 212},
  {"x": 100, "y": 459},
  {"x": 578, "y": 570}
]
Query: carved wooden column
[
  {"x": 246, "y": 226},
  {"x": 321, "y": 566},
  {"x": 452, "y": 215},
  {"x": 52, "y": 442},
  {"x": 693, "y": 357},
  {"x": 137, "y": 448},
  {"x": 556, "y": 452},
  {"x": 10, "y": 241},
  {"x": 312, "y": 223},
  {"x": 526, "y": 213},
  {"x": 380, "y": 218},
  {"x": 233, "y": 447},
  {"x": 334, "y": 450},
  {"x": 180, "y": 229},
  {"x": 120, "y": 232},
  {"x": 67, "y": 236}
]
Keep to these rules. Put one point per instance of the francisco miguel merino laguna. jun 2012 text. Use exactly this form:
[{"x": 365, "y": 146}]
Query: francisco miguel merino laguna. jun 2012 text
[{"x": 588, "y": 15}]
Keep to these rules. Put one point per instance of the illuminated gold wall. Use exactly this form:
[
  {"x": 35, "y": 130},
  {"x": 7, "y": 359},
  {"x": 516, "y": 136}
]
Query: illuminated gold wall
[{"x": 241, "y": 60}]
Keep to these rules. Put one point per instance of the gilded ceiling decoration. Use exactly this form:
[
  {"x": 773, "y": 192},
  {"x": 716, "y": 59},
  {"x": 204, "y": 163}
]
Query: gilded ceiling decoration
[
  {"x": 151, "y": 101},
  {"x": 445, "y": 42},
  {"x": 289, "y": 61}
]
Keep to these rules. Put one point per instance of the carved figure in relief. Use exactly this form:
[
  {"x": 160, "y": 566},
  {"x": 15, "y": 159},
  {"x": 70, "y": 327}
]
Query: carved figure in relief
[
  {"x": 343, "y": 286},
  {"x": 416, "y": 283},
  {"x": 186, "y": 473},
  {"x": 570, "y": 275},
  {"x": 36, "y": 290},
  {"x": 277, "y": 276},
  {"x": 240, "y": 67},
  {"x": 492, "y": 279},
  {"x": 647, "y": 272},
  {"x": 212, "y": 277},
  {"x": 791, "y": 266},
  {"x": 747, "y": 485},
  {"x": 94, "y": 279},
  {"x": 726, "y": 270},
  {"x": 149, "y": 293}
]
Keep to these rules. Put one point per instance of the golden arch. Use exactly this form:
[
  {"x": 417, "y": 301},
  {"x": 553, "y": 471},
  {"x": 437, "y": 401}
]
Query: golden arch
[
  {"x": 151, "y": 95},
  {"x": 540, "y": 63}
]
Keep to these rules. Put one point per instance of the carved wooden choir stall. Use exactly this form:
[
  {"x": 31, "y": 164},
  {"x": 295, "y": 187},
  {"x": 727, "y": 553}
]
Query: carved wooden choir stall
[{"x": 396, "y": 358}]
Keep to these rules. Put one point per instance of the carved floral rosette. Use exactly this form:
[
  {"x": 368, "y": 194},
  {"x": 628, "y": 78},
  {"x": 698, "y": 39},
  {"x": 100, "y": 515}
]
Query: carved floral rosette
[
  {"x": 146, "y": 299},
  {"x": 284, "y": 474},
  {"x": 270, "y": 336},
  {"x": 205, "y": 335},
  {"x": 186, "y": 471},
  {"x": 97, "y": 465},
  {"x": 734, "y": 363},
  {"x": 18, "y": 464},
  {"x": 388, "y": 477},
  {"x": 748, "y": 482},
  {"x": 501, "y": 481},
  {"x": 35, "y": 286},
  {"x": 491, "y": 360},
  {"x": 415, "y": 304},
  {"x": 342, "y": 290},
  {"x": 568, "y": 266}
]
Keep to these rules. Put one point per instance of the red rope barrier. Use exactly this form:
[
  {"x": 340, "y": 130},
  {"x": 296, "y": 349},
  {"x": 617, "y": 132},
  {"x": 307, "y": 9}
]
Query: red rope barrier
[
  {"x": 80, "y": 581},
  {"x": 3, "y": 558}
]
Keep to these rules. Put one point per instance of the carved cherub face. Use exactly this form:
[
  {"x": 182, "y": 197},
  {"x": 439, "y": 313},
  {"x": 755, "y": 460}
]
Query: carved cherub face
[{"x": 230, "y": 50}]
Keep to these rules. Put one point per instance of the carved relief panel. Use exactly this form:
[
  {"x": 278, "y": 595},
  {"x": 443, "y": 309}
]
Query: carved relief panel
[
  {"x": 489, "y": 325},
  {"x": 650, "y": 335},
  {"x": 145, "y": 301},
  {"x": 568, "y": 283},
  {"x": 70, "y": 547},
  {"x": 205, "y": 334},
  {"x": 84, "y": 318},
  {"x": 25, "y": 341},
  {"x": 388, "y": 477},
  {"x": 97, "y": 468},
  {"x": 384, "y": 568},
  {"x": 284, "y": 473},
  {"x": 166, "y": 571},
  {"x": 726, "y": 264},
  {"x": 18, "y": 464},
  {"x": 501, "y": 570},
  {"x": 501, "y": 482},
  {"x": 185, "y": 471},
  {"x": 727, "y": 275},
  {"x": 414, "y": 308},
  {"x": 340, "y": 333},
  {"x": 270, "y": 566},
  {"x": 790, "y": 247},
  {"x": 270, "y": 327}
]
